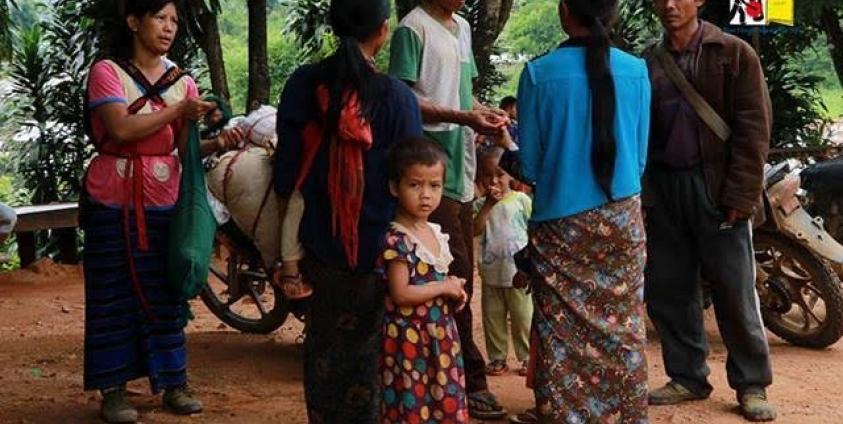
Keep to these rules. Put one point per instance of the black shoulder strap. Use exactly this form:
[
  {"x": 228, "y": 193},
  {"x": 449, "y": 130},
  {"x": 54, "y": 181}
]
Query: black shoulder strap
[
  {"x": 703, "y": 109},
  {"x": 152, "y": 91}
]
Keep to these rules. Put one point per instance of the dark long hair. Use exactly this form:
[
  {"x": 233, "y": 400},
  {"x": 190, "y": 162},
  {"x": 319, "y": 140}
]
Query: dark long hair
[
  {"x": 120, "y": 45},
  {"x": 596, "y": 14},
  {"x": 347, "y": 71}
]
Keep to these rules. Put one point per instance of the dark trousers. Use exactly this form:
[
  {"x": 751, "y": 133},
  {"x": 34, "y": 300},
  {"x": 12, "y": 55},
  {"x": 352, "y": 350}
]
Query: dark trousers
[
  {"x": 685, "y": 242},
  {"x": 457, "y": 222},
  {"x": 342, "y": 345}
]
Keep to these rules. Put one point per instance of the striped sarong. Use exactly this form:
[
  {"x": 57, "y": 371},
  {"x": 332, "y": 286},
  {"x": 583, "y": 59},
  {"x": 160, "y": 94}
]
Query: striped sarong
[{"x": 122, "y": 342}]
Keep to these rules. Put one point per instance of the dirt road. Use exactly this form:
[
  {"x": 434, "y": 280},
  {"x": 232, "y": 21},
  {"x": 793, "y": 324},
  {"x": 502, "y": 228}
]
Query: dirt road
[{"x": 258, "y": 379}]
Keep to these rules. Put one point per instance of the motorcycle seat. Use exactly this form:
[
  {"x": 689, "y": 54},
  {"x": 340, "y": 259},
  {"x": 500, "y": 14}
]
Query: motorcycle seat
[{"x": 824, "y": 177}]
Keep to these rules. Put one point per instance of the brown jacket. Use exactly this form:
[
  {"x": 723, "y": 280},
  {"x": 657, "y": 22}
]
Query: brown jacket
[{"x": 729, "y": 76}]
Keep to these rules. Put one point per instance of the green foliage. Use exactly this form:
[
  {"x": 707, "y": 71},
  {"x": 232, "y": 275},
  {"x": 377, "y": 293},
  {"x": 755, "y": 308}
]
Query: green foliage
[
  {"x": 533, "y": 28},
  {"x": 46, "y": 71},
  {"x": 49, "y": 64},
  {"x": 6, "y": 9},
  {"x": 283, "y": 51},
  {"x": 833, "y": 99},
  {"x": 799, "y": 111},
  {"x": 9, "y": 246},
  {"x": 307, "y": 21}
]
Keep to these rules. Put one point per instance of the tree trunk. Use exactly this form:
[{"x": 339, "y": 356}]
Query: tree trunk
[
  {"x": 259, "y": 84},
  {"x": 209, "y": 42},
  {"x": 492, "y": 16},
  {"x": 833, "y": 31}
]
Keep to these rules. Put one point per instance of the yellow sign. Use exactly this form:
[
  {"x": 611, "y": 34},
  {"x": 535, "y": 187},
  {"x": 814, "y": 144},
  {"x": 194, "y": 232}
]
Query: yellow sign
[{"x": 781, "y": 11}]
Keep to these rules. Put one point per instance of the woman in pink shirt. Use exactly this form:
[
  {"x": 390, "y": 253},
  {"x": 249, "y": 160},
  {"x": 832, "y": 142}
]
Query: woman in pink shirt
[{"x": 138, "y": 110}]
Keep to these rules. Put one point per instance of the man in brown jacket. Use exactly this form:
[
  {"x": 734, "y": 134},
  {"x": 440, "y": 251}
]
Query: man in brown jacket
[{"x": 699, "y": 193}]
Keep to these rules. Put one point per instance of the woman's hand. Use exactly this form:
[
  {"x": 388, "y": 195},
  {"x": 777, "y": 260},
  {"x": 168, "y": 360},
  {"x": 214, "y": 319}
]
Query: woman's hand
[{"x": 195, "y": 108}]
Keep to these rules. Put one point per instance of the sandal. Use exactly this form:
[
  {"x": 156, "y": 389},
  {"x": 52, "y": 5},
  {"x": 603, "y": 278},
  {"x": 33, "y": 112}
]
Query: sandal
[
  {"x": 527, "y": 417},
  {"x": 483, "y": 405},
  {"x": 496, "y": 367},
  {"x": 294, "y": 288},
  {"x": 522, "y": 370}
]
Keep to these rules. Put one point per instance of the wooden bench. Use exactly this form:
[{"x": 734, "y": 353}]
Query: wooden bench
[{"x": 61, "y": 217}]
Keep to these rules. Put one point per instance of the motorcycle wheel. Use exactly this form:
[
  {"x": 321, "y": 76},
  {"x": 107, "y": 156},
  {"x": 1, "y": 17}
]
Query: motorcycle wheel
[
  {"x": 814, "y": 318},
  {"x": 241, "y": 295}
]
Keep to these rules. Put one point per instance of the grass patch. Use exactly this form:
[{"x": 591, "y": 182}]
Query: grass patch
[{"x": 833, "y": 98}]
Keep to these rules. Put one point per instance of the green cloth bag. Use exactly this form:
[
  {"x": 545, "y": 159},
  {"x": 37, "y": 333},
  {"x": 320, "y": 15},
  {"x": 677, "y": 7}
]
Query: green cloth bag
[{"x": 192, "y": 229}]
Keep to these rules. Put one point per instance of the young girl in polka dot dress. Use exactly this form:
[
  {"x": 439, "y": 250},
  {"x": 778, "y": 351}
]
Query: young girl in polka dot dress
[{"x": 422, "y": 378}]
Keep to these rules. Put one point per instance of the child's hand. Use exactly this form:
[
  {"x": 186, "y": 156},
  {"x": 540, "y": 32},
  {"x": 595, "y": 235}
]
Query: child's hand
[
  {"x": 494, "y": 194},
  {"x": 520, "y": 280},
  {"x": 461, "y": 300},
  {"x": 453, "y": 286}
]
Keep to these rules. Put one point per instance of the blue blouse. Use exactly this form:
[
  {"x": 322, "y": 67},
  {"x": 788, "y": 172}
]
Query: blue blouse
[
  {"x": 554, "y": 110},
  {"x": 396, "y": 116}
]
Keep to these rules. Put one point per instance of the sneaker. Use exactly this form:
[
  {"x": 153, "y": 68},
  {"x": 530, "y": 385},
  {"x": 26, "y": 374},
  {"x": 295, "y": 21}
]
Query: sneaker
[
  {"x": 755, "y": 407},
  {"x": 180, "y": 401},
  {"x": 115, "y": 408},
  {"x": 671, "y": 394}
]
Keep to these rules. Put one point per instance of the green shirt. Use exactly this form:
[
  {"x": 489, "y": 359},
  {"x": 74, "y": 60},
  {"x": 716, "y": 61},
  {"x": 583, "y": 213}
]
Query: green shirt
[{"x": 426, "y": 54}]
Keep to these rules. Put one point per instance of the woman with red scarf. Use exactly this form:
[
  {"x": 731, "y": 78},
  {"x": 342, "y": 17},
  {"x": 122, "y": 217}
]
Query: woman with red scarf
[{"x": 336, "y": 121}]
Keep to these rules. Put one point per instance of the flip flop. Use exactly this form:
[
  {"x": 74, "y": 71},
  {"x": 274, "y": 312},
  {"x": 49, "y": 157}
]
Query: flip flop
[
  {"x": 522, "y": 370},
  {"x": 527, "y": 417},
  {"x": 496, "y": 368},
  {"x": 483, "y": 405},
  {"x": 294, "y": 288}
]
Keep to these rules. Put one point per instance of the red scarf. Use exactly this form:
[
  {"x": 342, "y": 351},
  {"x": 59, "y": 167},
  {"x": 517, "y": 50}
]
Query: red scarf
[{"x": 346, "y": 179}]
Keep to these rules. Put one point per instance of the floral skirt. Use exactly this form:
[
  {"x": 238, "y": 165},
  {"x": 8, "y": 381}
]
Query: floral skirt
[{"x": 590, "y": 363}]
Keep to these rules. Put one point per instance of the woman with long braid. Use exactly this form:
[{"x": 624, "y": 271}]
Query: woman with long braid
[{"x": 587, "y": 241}]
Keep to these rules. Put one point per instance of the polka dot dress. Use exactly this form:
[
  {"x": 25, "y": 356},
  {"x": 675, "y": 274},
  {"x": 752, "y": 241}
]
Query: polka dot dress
[{"x": 422, "y": 378}]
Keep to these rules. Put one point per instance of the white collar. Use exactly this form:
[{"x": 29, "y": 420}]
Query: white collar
[{"x": 440, "y": 263}]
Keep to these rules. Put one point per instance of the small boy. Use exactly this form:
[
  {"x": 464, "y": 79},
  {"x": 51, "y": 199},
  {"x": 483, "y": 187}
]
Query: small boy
[{"x": 501, "y": 222}]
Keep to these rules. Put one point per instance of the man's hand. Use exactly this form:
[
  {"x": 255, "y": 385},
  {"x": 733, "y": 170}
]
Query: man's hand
[
  {"x": 734, "y": 215},
  {"x": 485, "y": 121}
]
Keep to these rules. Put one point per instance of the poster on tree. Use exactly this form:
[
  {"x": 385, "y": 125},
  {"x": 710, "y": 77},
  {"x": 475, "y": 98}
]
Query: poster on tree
[{"x": 761, "y": 12}]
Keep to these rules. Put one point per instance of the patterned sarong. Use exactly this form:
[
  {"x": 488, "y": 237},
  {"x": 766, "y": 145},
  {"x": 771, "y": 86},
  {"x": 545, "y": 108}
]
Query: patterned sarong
[
  {"x": 121, "y": 342},
  {"x": 589, "y": 316},
  {"x": 343, "y": 344}
]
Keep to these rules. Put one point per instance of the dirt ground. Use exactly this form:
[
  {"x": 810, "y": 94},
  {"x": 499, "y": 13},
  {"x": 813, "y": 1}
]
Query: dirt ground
[{"x": 258, "y": 379}]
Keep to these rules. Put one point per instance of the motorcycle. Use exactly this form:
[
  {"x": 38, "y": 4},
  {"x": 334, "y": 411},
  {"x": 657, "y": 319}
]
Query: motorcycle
[
  {"x": 823, "y": 186},
  {"x": 800, "y": 292},
  {"x": 240, "y": 291}
]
